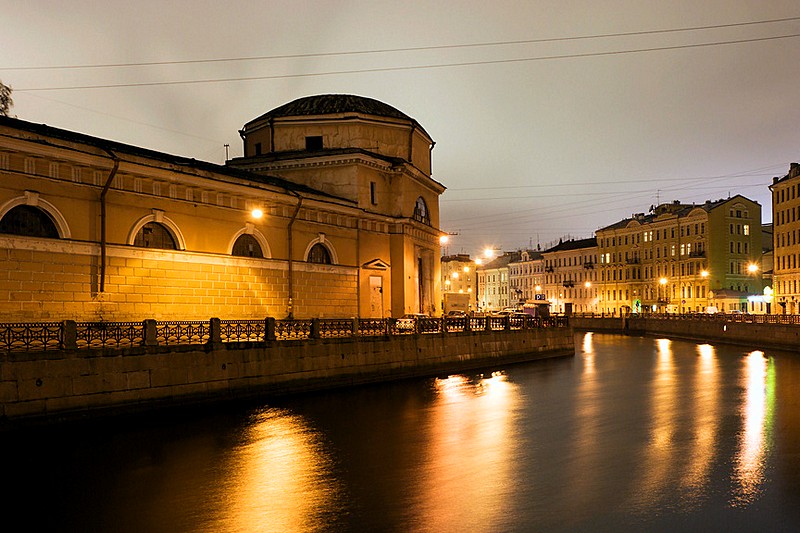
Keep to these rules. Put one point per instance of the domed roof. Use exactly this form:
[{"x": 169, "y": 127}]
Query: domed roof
[
  {"x": 326, "y": 104},
  {"x": 332, "y": 104}
]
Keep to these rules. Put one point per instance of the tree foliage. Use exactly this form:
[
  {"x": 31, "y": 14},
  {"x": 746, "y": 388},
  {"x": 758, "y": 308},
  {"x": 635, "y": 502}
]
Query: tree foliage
[{"x": 5, "y": 99}]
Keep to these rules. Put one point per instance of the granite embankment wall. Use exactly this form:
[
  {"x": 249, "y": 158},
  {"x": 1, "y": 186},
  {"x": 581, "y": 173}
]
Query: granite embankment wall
[
  {"x": 64, "y": 384},
  {"x": 732, "y": 330}
]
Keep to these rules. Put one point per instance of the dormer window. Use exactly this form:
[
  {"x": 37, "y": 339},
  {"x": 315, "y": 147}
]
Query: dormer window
[{"x": 314, "y": 143}]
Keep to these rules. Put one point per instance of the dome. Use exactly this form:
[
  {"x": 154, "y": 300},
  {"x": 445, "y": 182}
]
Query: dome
[{"x": 333, "y": 104}]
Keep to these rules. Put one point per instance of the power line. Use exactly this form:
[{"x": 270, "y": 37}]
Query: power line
[
  {"x": 415, "y": 67},
  {"x": 405, "y": 49}
]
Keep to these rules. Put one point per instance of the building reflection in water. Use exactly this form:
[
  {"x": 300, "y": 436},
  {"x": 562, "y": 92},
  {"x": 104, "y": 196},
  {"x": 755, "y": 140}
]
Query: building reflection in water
[
  {"x": 706, "y": 407},
  {"x": 758, "y": 410},
  {"x": 278, "y": 479},
  {"x": 468, "y": 465}
]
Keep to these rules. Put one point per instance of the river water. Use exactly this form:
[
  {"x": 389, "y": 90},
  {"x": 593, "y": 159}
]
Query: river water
[{"x": 631, "y": 434}]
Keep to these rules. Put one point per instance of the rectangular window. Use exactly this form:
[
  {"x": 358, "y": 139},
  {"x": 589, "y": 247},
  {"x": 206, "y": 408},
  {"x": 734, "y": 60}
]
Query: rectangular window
[
  {"x": 746, "y": 229},
  {"x": 258, "y": 148},
  {"x": 372, "y": 197},
  {"x": 314, "y": 143}
]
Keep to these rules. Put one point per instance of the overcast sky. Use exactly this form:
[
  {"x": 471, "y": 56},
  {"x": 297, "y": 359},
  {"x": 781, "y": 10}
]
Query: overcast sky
[{"x": 551, "y": 118}]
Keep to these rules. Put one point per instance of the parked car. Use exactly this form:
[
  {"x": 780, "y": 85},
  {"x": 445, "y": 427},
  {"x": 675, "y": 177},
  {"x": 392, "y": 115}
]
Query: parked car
[
  {"x": 456, "y": 314},
  {"x": 408, "y": 321}
]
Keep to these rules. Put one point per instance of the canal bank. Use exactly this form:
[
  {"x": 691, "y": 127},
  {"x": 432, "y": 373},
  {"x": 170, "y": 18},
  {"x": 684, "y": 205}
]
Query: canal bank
[
  {"x": 63, "y": 384},
  {"x": 759, "y": 331}
]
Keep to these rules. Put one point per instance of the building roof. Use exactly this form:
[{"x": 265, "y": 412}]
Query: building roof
[
  {"x": 794, "y": 171},
  {"x": 501, "y": 262},
  {"x": 676, "y": 208},
  {"x": 184, "y": 163},
  {"x": 336, "y": 104},
  {"x": 572, "y": 244}
]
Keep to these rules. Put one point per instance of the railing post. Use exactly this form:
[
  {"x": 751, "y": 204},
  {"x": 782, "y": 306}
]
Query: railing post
[
  {"x": 315, "y": 332},
  {"x": 150, "y": 332},
  {"x": 468, "y": 323},
  {"x": 269, "y": 329},
  {"x": 390, "y": 322},
  {"x": 507, "y": 323},
  {"x": 69, "y": 335},
  {"x": 444, "y": 324},
  {"x": 487, "y": 324},
  {"x": 356, "y": 331},
  {"x": 214, "y": 331}
]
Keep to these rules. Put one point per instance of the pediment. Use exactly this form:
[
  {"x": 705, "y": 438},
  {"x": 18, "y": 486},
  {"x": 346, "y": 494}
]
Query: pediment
[{"x": 375, "y": 264}]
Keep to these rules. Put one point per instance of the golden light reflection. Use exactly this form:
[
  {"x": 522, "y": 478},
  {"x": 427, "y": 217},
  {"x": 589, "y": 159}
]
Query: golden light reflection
[
  {"x": 758, "y": 380},
  {"x": 279, "y": 479},
  {"x": 660, "y": 452},
  {"x": 585, "y": 465},
  {"x": 588, "y": 354},
  {"x": 706, "y": 406},
  {"x": 468, "y": 464}
]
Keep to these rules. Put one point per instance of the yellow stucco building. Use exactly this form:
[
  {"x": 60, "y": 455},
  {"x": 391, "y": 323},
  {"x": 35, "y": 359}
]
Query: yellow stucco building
[
  {"x": 679, "y": 257},
  {"x": 332, "y": 212}
]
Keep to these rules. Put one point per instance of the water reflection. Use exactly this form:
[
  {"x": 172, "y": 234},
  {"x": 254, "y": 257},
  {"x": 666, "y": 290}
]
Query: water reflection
[
  {"x": 588, "y": 353},
  {"x": 758, "y": 382},
  {"x": 706, "y": 413},
  {"x": 659, "y": 452},
  {"x": 468, "y": 465},
  {"x": 278, "y": 479}
]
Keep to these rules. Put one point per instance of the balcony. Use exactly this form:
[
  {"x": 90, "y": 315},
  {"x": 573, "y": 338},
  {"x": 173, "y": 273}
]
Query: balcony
[
  {"x": 588, "y": 265},
  {"x": 569, "y": 283},
  {"x": 548, "y": 269},
  {"x": 697, "y": 253},
  {"x": 632, "y": 261}
]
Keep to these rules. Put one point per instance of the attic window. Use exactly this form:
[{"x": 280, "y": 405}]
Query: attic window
[
  {"x": 258, "y": 148},
  {"x": 314, "y": 143}
]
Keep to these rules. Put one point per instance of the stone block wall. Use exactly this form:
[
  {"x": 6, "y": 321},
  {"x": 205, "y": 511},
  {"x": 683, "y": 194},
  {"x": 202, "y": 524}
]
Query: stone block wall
[{"x": 60, "y": 281}]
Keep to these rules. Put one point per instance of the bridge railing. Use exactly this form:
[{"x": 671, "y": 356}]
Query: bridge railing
[{"x": 71, "y": 335}]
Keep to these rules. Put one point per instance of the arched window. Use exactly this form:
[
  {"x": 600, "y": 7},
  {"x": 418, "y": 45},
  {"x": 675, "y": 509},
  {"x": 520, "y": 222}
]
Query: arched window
[
  {"x": 155, "y": 235},
  {"x": 28, "y": 221},
  {"x": 421, "y": 211},
  {"x": 319, "y": 254},
  {"x": 247, "y": 246}
]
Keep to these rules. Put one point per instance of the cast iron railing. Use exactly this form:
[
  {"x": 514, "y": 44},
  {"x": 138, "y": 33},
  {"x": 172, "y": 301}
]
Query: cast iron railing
[{"x": 70, "y": 335}]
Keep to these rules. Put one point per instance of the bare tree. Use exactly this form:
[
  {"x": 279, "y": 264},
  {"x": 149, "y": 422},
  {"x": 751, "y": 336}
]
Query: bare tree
[{"x": 5, "y": 99}]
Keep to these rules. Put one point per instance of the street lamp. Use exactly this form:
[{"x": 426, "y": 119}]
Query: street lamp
[{"x": 663, "y": 282}]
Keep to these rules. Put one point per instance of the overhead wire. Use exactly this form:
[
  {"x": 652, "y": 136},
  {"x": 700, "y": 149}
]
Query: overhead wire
[
  {"x": 403, "y": 49},
  {"x": 412, "y": 67}
]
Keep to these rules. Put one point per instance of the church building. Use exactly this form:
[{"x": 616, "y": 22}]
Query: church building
[{"x": 331, "y": 212}]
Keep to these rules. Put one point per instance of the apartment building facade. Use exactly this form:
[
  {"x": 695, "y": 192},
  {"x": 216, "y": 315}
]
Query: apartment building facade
[{"x": 682, "y": 258}]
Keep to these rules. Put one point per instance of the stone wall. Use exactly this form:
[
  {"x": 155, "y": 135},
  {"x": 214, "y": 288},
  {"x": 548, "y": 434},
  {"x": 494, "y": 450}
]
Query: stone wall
[
  {"x": 35, "y": 386},
  {"x": 775, "y": 336},
  {"x": 51, "y": 280}
]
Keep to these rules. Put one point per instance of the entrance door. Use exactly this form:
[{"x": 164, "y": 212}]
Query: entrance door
[{"x": 375, "y": 297}]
